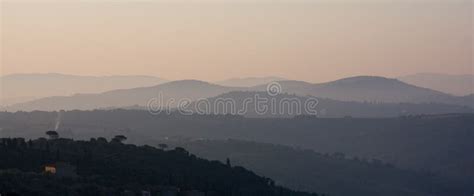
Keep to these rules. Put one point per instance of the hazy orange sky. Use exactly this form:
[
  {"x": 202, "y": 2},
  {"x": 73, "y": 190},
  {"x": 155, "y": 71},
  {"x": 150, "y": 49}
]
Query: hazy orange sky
[{"x": 316, "y": 40}]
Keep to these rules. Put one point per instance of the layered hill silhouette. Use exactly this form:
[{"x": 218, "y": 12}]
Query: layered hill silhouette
[
  {"x": 370, "y": 89},
  {"x": 158, "y": 95},
  {"x": 291, "y": 105},
  {"x": 18, "y": 88},
  {"x": 357, "y": 89},
  {"x": 453, "y": 84}
]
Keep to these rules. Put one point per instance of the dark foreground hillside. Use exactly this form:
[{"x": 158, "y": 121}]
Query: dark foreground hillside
[
  {"x": 437, "y": 144},
  {"x": 441, "y": 144},
  {"x": 113, "y": 168},
  {"x": 335, "y": 173}
]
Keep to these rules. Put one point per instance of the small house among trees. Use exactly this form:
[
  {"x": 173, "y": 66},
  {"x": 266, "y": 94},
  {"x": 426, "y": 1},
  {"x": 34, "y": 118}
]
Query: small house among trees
[{"x": 61, "y": 169}]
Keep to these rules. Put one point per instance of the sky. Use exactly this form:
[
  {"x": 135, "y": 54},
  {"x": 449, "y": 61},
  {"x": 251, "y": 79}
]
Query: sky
[{"x": 312, "y": 40}]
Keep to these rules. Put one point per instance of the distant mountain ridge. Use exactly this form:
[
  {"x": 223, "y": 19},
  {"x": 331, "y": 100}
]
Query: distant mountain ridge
[
  {"x": 18, "y": 88},
  {"x": 370, "y": 89},
  {"x": 167, "y": 95},
  {"x": 459, "y": 85},
  {"x": 355, "y": 89},
  {"x": 279, "y": 107}
]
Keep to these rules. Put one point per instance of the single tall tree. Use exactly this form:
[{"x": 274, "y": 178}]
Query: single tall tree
[
  {"x": 163, "y": 146},
  {"x": 52, "y": 135},
  {"x": 119, "y": 138}
]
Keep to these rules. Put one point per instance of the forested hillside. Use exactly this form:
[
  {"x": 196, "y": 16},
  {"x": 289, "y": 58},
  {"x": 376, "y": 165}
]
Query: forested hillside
[
  {"x": 440, "y": 143},
  {"x": 111, "y": 168},
  {"x": 335, "y": 173},
  {"x": 437, "y": 144}
]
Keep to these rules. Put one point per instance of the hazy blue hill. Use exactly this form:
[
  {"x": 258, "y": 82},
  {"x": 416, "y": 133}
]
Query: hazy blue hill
[
  {"x": 371, "y": 89},
  {"x": 17, "y": 87},
  {"x": 324, "y": 107},
  {"x": 189, "y": 89},
  {"x": 459, "y": 85},
  {"x": 371, "y": 82},
  {"x": 467, "y": 99},
  {"x": 355, "y": 89},
  {"x": 248, "y": 82}
]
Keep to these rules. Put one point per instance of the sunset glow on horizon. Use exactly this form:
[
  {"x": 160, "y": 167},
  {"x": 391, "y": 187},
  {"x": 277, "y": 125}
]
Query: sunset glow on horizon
[{"x": 215, "y": 40}]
